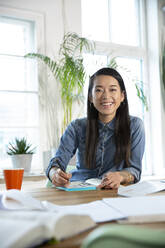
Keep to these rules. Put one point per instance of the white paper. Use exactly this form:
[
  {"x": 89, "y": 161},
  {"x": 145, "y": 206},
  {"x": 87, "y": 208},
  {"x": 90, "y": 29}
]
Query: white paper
[
  {"x": 94, "y": 181},
  {"x": 97, "y": 210},
  {"x": 16, "y": 199},
  {"x": 141, "y": 188},
  {"x": 28, "y": 229},
  {"x": 11, "y": 239},
  {"x": 137, "y": 206}
]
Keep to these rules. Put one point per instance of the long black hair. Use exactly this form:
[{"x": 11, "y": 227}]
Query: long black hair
[{"x": 122, "y": 123}]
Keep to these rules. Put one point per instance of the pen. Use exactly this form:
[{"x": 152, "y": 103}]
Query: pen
[{"x": 62, "y": 168}]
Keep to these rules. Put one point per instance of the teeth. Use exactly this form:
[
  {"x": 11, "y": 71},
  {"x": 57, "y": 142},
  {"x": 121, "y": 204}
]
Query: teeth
[{"x": 106, "y": 104}]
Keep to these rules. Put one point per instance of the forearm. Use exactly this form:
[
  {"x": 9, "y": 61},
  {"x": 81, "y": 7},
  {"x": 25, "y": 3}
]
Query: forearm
[
  {"x": 52, "y": 172},
  {"x": 52, "y": 166},
  {"x": 126, "y": 177}
]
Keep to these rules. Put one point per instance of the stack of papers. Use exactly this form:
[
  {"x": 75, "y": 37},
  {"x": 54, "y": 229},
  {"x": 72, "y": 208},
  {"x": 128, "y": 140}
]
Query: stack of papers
[
  {"x": 141, "y": 188},
  {"x": 137, "y": 206}
]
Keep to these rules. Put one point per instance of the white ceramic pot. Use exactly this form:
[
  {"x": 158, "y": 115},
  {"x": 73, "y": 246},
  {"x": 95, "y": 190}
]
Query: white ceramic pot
[{"x": 22, "y": 161}]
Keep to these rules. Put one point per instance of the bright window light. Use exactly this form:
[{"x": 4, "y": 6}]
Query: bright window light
[
  {"x": 95, "y": 24},
  {"x": 18, "y": 88},
  {"x": 124, "y": 22},
  {"x": 111, "y": 20}
]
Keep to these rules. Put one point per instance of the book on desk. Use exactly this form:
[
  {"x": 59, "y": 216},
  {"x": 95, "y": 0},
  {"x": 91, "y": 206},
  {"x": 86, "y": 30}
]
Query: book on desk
[
  {"x": 34, "y": 223},
  {"x": 37, "y": 221},
  {"x": 89, "y": 184}
]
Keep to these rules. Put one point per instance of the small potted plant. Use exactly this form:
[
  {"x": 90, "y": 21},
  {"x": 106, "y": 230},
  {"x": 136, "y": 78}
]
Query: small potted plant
[{"x": 21, "y": 153}]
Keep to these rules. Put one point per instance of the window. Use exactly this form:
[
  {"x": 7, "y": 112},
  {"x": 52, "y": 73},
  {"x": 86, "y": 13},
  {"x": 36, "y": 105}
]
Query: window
[
  {"x": 124, "y": 22},
  {"x": 18, "y": 87},
  {"x": 118, "y": 29},
  {"x": 115, "y": 21},
  {"x": 95, "y": 24}
]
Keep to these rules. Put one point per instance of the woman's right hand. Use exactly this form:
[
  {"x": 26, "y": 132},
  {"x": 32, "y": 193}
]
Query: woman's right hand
[{"x": 60, "y": 178}]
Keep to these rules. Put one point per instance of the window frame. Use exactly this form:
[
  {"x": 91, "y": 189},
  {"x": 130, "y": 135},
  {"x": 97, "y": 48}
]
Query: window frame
[{"x": 39, "y": 38}]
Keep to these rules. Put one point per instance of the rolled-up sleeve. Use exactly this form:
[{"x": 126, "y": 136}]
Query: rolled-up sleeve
[
  {"x": 137, "y": 148},
  {"x": 66, "y": 149}
]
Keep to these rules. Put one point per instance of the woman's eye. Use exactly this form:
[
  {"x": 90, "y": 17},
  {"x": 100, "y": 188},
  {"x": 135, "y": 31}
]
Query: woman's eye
[
  {"x": 98, "y": 90},
  {"x": 112, "y": 90}
]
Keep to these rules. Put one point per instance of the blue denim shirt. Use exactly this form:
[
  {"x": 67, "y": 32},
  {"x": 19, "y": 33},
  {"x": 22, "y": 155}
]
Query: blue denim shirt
[{"x": 73, "y": 141}]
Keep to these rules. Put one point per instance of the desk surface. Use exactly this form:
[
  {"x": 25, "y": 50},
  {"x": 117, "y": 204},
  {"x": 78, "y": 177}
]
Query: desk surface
[
  {"x": 67, "y": 198},
  {"x": 37, "y": 189}
]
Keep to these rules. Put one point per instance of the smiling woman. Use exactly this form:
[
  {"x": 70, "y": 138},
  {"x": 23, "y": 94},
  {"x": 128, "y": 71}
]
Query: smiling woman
[
  {"x": 109, "y": 143},
  {"x": 106, "y": 97}
]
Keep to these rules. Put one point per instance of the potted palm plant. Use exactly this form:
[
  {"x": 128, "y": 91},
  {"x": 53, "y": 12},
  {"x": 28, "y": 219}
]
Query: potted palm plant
[
  {"x": 69, "y": 71},
  {"x": 21, "y": 153}
]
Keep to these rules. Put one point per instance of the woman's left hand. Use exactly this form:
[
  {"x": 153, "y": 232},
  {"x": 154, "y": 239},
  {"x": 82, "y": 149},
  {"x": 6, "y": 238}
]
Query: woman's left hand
[{"x": 111, "y": 180}]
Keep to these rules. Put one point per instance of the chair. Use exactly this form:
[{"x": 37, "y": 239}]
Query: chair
[{"x": 124, "y": 236}]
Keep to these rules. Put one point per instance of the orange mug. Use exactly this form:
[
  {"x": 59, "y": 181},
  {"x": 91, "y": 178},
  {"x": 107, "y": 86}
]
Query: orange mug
[{"x": 13, "y": 178}]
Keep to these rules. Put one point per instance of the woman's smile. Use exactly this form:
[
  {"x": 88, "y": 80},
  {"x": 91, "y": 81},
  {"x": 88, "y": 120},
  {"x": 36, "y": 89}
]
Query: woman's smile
[{"x": 107, "y": 104}]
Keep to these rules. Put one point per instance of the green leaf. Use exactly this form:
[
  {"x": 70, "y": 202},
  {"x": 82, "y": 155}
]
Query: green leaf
[
  {"x": 69, "y": 70},
  {"x": 19, "y": 146}
]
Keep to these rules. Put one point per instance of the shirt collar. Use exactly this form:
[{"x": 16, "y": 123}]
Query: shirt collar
[{"x": 110, "y": 125}]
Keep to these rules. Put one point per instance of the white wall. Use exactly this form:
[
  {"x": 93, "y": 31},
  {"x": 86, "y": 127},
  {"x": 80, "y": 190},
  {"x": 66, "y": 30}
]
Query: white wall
[
  {"x": 53, "y": 13},
  {"x": 51, "y": 10}
]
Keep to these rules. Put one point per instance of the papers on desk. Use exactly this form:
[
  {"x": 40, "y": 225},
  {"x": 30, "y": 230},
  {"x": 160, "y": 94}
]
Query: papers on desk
[
  {"x": 44, "y": 220},
  {"x": 27, "y": 229},
  {"x": 144, "y": 205},
  {"x": 34, "y": 222},
  {"x": 99, "y": 211},
  {"x": 19, "y": 200},
  {"x": 38, "y": 221},
  {"x": 141, "y": 188},
  {"x": 142, "y": 209}
]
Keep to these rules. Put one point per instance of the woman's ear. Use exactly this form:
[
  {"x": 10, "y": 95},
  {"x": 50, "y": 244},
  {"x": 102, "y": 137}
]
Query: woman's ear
[{"x": 122, "y": 96}]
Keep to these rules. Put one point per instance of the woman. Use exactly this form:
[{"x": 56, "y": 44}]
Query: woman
[{"x": 109, "y": 143}]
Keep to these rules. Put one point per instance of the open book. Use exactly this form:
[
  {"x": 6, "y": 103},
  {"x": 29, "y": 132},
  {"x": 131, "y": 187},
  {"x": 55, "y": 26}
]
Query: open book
[
  {"x": 90, "y": 184},
  {"x": 19, "y": 200},
  {"x": 34, "y": 222},
  {"x": 31, "y": 228}
]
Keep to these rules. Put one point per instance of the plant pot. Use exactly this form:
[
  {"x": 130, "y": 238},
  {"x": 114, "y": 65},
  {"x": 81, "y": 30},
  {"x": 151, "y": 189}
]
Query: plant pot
[{"x": 22, "y": 161}]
